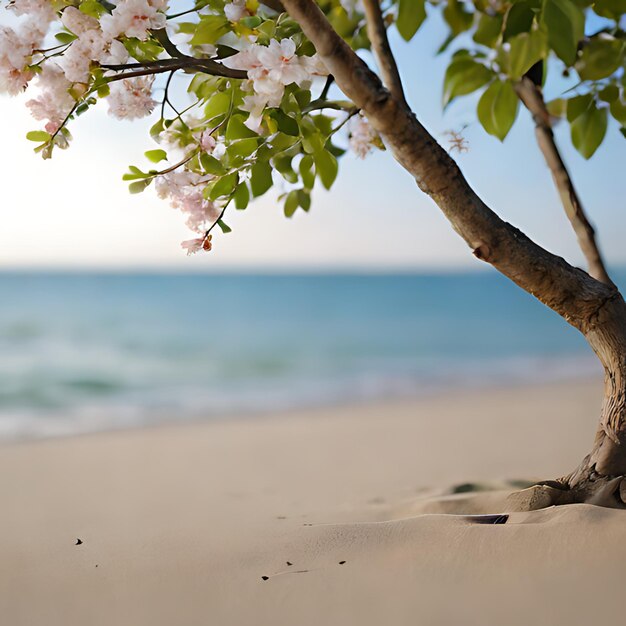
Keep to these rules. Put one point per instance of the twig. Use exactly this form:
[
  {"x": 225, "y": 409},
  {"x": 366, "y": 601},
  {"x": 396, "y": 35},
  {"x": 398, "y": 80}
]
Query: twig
[
  {"x": 532, "y": 98},
  {"x": 377, "y": 33}
]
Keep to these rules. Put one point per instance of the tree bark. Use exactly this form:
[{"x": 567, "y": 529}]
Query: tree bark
[
  {"x": 532, "y": 98},
  {"x": 595, "y": 308}
]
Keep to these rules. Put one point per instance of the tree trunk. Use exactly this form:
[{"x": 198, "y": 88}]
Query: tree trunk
[{"x": 595, "y": 308}]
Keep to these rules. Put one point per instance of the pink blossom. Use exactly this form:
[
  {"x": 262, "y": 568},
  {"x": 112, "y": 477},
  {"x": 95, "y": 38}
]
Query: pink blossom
[
  {"x": 236, "y": 10},
  {"x": 134, "y": 18},
  {"x": 207, "y": 142},
  {"x": 54, "y": 101},
  {"x": 184, "y": 191},
  {"x": 39, "y": 12},
  {"x": 16, "y": 49},
  {"x": 76, "y": 62},
  {"x": 131, "y": 98},
  {"x": 77, "y": 22},
  {"x": 362, "y": 136},
  {"x": 193, "y": 245}
]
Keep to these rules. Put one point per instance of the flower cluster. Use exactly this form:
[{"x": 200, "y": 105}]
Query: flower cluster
[
  {"x": 184, "y": 191},
  {"x": 362, "y": 136},
  {"x": 131, "y": 98},
  {"x": 270, "y": 69},
  {"x": 236, "y": 10},
  {"x": 96, "y": 42},
  {"x": 54, "y": 101},
  {"x": 134, "y": 18},
  {"x": 73, "y": 53},
  {"x": 18, "y": 45}
]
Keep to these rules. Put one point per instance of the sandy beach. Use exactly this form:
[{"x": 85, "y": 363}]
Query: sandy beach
[{"x": 324, "y": 517}]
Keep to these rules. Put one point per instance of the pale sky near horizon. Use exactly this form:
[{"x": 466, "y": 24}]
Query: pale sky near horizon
[{"x": 75, "y": 211}]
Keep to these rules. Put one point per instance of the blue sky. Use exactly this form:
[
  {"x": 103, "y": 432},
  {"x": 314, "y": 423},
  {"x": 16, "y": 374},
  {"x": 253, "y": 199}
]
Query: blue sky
[{"x": 74, "y": 211}]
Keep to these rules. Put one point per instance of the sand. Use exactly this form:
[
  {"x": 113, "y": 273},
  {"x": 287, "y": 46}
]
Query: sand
[{"x": 341, "y": 510}]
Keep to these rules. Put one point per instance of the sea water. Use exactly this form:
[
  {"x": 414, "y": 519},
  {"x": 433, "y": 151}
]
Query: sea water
[{"x": 89, "y": 351}]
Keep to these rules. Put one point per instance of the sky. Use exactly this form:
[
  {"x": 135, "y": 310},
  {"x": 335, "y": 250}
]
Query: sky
[{"x": 75, "y": 212}]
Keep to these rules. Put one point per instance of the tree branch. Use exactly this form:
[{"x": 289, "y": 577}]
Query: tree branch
[
  {"x": 275, "y": 5},
  {"x": 208, "y": 66},
  {"x": 569, "y": 291},
  {"x": 532, "y": 98},
  {"x": 377, "y": 33}
]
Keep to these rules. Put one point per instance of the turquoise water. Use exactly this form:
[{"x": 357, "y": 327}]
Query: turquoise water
[{"x": 81, "y": 352}]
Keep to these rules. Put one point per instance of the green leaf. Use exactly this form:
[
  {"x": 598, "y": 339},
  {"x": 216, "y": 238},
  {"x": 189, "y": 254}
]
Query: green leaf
[
  {"x": 464, "y": 75},
  {"x": 609, "y": 93},
  {"x": 38, "y": 135},
  {"x": 618, "y": 111},
  {"x": 236, "y": 129},
  {"x": 565, "y": 24},
  {"x": 612, "y": 9},
  {"x": 243, "y": 147},
  {"x": 291, "y": 203},
  {"x": 307, "y": 172},
  {"x": 241, "y": 196},
  {"x": 139, "y": 185},
  {"x": 588, "y": 130},
  {"x": 224, "y": 227},
  {"x": 411, "y": 14},
  {"x": 211, "y": 165},
  {"x": 156, "y": 156},
  {"x": 526, "y": 50},
  {"x": 327, "y": 167},
  {"x": 260, "y": 178},
  {"x": 600, "y": 58},
  {"x": 92, "y": 8},
  {"x": 210, "y": 29},
  {"x": 557, "y": 107},
  {"x": 488, "y": 30},
  {"x": 224, "y": 186},
  {"x": 578, "y": 105},
  {"x": 519, "y": 19},
  {"x": 65, "y": 38},
  {"x": 218, "y": 104},
  {"x": 304, "y": 199},
  {"x": 457, "y": 17},
  {"x": 286, "y": 124},
  {"x": 282, "y": 164},
  {"x": 497, "y": 108}
]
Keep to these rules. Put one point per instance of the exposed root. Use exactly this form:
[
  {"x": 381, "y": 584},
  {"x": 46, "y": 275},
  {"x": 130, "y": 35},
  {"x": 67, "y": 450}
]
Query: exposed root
[{"x": 589, "y": 488}]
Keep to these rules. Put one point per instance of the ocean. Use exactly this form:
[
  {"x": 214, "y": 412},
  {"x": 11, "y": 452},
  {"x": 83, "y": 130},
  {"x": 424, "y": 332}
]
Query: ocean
[{"x": 81, "y": 352}]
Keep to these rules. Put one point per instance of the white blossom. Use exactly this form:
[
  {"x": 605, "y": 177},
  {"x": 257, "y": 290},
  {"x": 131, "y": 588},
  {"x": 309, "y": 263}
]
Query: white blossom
[
  {"x": 270, "y": 69},
  {"x": 362, "y": 136}
]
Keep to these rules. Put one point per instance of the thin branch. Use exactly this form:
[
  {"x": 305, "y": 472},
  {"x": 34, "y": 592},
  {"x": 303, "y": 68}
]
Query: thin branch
[
  {"x": 569, "y": 291},
  {"x": 377, "y": 33},
  {"x": 532, "y": 98}
]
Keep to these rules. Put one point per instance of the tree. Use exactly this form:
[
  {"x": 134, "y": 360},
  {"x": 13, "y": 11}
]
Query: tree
[{"x": 265, "y": 110}]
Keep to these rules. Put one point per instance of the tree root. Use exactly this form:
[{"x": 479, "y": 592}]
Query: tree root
[{"x": 580, "y": 487}]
